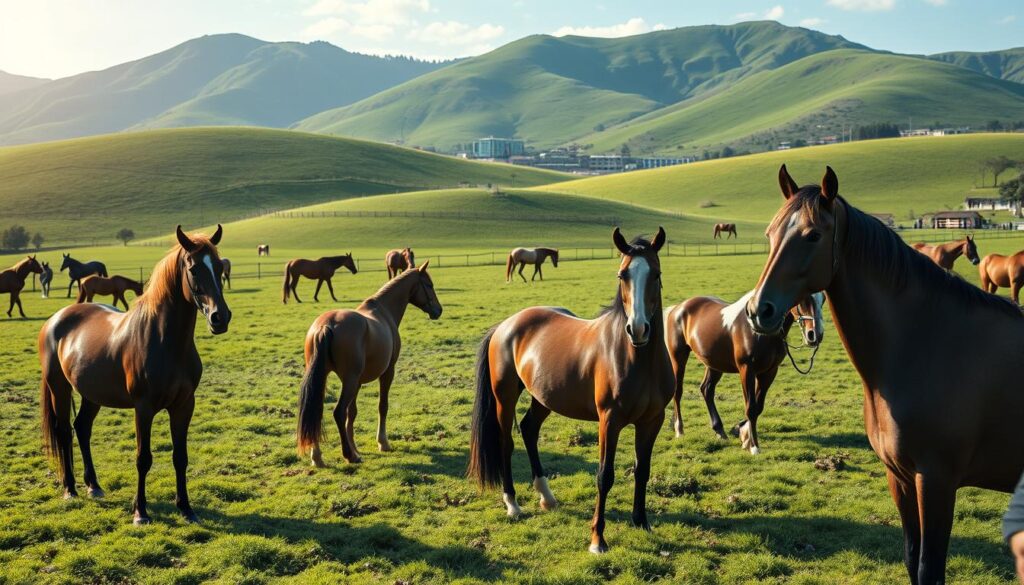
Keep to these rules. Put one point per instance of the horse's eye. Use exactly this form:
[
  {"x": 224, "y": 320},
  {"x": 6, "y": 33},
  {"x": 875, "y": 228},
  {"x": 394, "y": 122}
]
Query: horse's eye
[
  {"x": 621, "y": 276},
  {"x": 813, "y": 237}
]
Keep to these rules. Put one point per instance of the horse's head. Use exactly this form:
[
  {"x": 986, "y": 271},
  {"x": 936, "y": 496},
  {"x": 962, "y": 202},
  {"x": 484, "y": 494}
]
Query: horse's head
[
  {"x": 971, "y": 251},
  {"x": 808, "y": 317},
  {"x": 33, "y": 265},
  {"x": 423, "y": 294},
  {"x": 804, "y": 253},
  {"x": 203, "y": 268},
  {"x": 135, "y": 287},
  {"x": 66, "y": 262},
  {"x": 640, "y": 284},
  {"x": 348, "y": 262},
  {"x": 554, "y": 258},
  {"x": 410, "y": 256}
]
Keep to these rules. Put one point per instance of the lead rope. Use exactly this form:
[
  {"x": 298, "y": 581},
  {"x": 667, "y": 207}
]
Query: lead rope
[{"x": 810, "y": 365}]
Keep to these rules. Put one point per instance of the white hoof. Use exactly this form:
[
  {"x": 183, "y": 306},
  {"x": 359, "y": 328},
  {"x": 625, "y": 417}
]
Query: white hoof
[
  {"x": 384, "y": 447},
  {"x": 677, "y": 426},
  {"x": 547, "y": 499},
  {"x": 755, "y": 450},
  {"x": 512, "y": 508},
  {"x": 745, "y": 441},
  {"x": 597, "y": 549}
]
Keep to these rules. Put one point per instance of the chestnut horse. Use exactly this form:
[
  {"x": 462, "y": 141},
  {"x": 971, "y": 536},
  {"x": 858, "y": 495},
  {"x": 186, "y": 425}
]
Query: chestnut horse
[
  {"x": 115, "y": 285},
  {"x": 719, "y": 334},
  {"x": 263, "y": 250},
  {"x": 725, "y": 228},
  {"x": 359, "y": 346},
  {"x": 12, "y": 281},
  {"x": 398, "y": 261},
  {"x": 997, "y": 271},
  {"x": 613, "y": 369},
  {"x": 79, "y": 270},
  {"x": 144, "y": 359},
  {"x": 939, "y": 358},
  {"x": 524, "y": 256},
  {"x": 946, "y": 254},
  {"x": 226, "y": 276},
  {"x": 45, "y": 279},
  {"x": 321, "y": 270}
]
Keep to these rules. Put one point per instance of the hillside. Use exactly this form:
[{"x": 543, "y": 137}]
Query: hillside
[
  {"x": 212, "y": 80},
  {"x": 10, "y": 83},
  {"x": 88, "y": 188},
  {"x": 827, "y": 90},
  {"x": 550, "y": 90},
  {"x": 1008, "y": 64}
]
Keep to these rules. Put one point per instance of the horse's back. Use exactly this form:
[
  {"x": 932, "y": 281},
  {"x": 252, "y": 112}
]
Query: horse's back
[
  {"x": 524, "y": 254},
  {"x": 362, "y": 344}
]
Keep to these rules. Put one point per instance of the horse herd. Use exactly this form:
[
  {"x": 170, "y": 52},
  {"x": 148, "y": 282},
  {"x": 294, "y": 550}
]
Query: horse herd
[{"x": 937, "y": 357}]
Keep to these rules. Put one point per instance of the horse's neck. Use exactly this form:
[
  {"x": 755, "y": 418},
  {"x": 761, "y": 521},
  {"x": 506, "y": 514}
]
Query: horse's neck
[
  {"x": 22, "y": 269},
  {"x": 954, "y": 249},
  {"x": 393, "y": 298}
]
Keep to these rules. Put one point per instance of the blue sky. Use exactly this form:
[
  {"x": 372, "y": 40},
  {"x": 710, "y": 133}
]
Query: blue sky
[{"x": 54, "y": 38}]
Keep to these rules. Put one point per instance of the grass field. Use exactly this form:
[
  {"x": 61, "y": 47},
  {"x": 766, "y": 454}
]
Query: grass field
[{"x": 720, "y": 515}]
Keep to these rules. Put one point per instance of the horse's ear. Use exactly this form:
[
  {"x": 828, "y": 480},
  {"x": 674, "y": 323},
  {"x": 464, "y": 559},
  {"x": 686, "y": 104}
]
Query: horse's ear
[
  {"x": 620, "y": 242},
  {"x": 184, "y": 240},
  {"x": 659, "y": 240},
  {"x": 786, "y": 183},
  {"x": 829, "y": 184},
  {"x": 423, "y": 267},
  {"x": 216, "y": 235}
]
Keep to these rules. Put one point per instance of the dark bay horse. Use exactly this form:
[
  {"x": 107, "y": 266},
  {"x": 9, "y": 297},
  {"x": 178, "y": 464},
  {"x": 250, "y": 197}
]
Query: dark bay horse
[
  {"x": 144, "y": 359},
  {"x": 997, "y": 271},
  {"x": 114, "y": 286},
  {"x": 946, "y": 254},
  {"x": 939, "y": 358},
  {"x": 359, "y": 346},
  {"x": 321, "y": 270},
  {"x": 12, "y": 281},
  {"x": 613, "y": 369},
  {"x": 263, "y": 250},
  {"x": 79, "y": 270},
  {"x": 226, "y": 276},
  {"x": 720, "y": 336},
  {"x": 725, "y": 228},
  {"x": 524, "y": 256},
  {"x": 45, "y": 279},
  {"x": 398, "y": 261}
]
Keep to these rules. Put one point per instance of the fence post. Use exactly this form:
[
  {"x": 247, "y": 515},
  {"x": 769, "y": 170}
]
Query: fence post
[
  {"x": 140, "y": 274},
  {"x": 467, "y": 259},
  {"x": 33, "y": 282},
  {"x": 259, "y": 271}
]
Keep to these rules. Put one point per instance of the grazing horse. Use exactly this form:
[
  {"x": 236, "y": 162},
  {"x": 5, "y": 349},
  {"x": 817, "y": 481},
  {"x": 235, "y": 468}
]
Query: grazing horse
[
  {"x": 144, "y": 359},
  {"x": 263, "y": 250},
  {"x": 79, "y": 270},
  {"x": 940, "y": 413},
  {"x": 946, "y": 254},
  {"x": 359, "y": 346},
  {"x": 524, "y": 256},
  {"x": 115, "y": 285},
  {"x": 321, "y": 270},
  {"x": 719, "y": 334},
  {"x": 614, "y": 369},
  {"x": 12, "y": 281},
  {"x": 226, "y": 276},
  {"x": 398, "y": 261},
  {"x": 45, "y": 279},
  {"x": 997, "y": 271},
  {"x": 725, "y": 228}
]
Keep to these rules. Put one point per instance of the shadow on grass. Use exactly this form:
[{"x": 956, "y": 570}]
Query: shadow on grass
[
  {"x": 842, "y": 441},
  {"x": 454, "y": 463}
]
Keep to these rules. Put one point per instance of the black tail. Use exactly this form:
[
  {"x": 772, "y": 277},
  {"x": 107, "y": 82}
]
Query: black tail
[
  {"x": 311, "y": 393},
  {"x": 51, "y": 442},
  {"x": 485, "y": 442}
]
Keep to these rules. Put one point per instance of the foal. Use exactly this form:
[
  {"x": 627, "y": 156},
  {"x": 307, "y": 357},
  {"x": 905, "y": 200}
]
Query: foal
[
  {"x": 45, "y": 279},
  {"x": 115, "y": 286},
  {"x": 398, "y": 261}
]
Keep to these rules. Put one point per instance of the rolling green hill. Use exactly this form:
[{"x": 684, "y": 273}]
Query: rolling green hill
[
  {"x": 88, "y": 188},
  {"x": 1008, "y": 64},
  {"x": 550, "y": 90}
]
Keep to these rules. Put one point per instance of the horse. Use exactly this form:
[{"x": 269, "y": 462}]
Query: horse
[
  {"x": 398, "y": 261},
  {"x": 524, "y": 256},
  {"x": 321, "y": 269},
  {"x": 725, "y": 228},
  {"x": 144, "y": 359},
  {"x": 946, "y": 254},
  {"x": 12, "y": 281},
  {"x": 359, "y": 346},
  {"x": 719, "y": 335},
  {"x": 79, "y": 270},
  {"x": 45, "y": 279},
  {"x": 996, "y": 270},
  {"x": 614, "y": 369},
  {"x": 226, "y": 276},
  {"x": 939, "y": 358},
  {"x": 115, "y": 285},
  {"x": 263, "y": 250}
]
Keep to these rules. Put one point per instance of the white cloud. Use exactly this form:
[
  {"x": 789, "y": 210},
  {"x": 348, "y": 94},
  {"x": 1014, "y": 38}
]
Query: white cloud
[
  {"x": 373, "y": 20},
  {"x": 937, "y": 2},
  {"x": 774, "y": 13},
  {"x": 1007, "y": 19},
  {"x": 746, "y": 16},
  {"x": 812, "y": 22},
  {"x": 456, "y": 33},
  {"x": 633, "y": 26},
  {"x": 863, "y": 5}
]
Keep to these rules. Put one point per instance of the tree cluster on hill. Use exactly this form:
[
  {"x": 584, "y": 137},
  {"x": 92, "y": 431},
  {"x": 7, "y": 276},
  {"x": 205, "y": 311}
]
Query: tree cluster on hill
[
  {"x": 17, "y": 238},
  {"x": 879, "y": 130}
]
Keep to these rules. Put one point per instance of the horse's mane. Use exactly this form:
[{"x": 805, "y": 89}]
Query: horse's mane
[
  {"x": 394, "y": 282},
  {"x": 165, "y": 281},
  {"x": 870, "y": 243}
]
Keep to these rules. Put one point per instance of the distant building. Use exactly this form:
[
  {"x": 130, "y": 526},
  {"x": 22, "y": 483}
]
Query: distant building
[
  {"x": 656, "y": 162},
  {"x": 887, "y": 218},
  {"x": 957, "y": 220},
  {"x": 502, "y": 148},
  {"x": 606, "y": 163},
  {"x": 989, "y": 204}
]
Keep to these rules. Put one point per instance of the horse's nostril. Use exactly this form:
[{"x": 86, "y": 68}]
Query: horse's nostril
[
  {"x": 629, "y": 329},
  {"x": 767, "y": 310},
  {"x": 215, "y": 318}
]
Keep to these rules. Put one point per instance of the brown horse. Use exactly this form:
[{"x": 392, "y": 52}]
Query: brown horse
[
  {"x": 938, "y": 357},
  {"x": 12, "y": 281},
  {"x": 997, "y": 271},
  {"x": 719, "y": 334},
  {"x": 321, "y": 270},
  {"x": 359, "y": 346},
  {"x": 263, "y": 250},
  {"x": 144, "y": 359},
  {"x": 115, "y": 285},
  {"x": 524, "y": 256},
  {"x": 398, "y": 261},
  {"x": 613, "y": 369},
  {"x": 226, "y": 276},
  {"x": 725, "y": 228},
  {"x": 946, "y": 254}
]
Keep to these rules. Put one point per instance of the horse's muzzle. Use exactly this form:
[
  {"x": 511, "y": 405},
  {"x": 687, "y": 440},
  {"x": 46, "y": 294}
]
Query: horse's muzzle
[{"x": 218, "y": 321}]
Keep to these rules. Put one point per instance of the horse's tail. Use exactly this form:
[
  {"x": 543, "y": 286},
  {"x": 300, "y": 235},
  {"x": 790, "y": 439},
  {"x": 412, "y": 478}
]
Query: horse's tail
[
  {"x": 284, "y": 289},
  {"x": 509, "y": 265},
  {"x": 51, "y": 443},
  {"x": 485, "y": 440},
  {"x": 311, "y": 393}
]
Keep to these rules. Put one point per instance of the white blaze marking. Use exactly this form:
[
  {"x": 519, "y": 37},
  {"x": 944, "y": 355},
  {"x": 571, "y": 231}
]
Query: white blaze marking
[
  {"x": 638, "y": 271},
  {"x": 209, "y": 264},
  {"x": 732, "y": 312}
]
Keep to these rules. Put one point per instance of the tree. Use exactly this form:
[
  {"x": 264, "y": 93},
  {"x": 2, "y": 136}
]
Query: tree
[
  {"x": 15, "y": 237},
  {"x": 994, "y": 126},
  {"x": 37, "y": 240},
  {"x": 126, "y": 235},
  {"x": 625, "y": 151},
  {"x": 728, "y": 152},
  {"x": 999, "y": 165}
]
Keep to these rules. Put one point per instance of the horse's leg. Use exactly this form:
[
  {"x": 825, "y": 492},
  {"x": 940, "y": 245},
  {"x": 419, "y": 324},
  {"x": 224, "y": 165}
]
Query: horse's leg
[
  {"x": 10, "y": 309},
  {"x": 119, "y": 296},
  {"x": 350, "y": 426},
  {"x": 679, "y": 358},
  {"x": 707, "y": 390},
  {"x": 905, "y": 496},
  {"x": 143, "y": 460},
  {"x": 330, "y": 287},
  {"x": 536, "y": 271},
  {"x": 71, "y": 281},
  {"x": 83, "y": 428},
  {"x": 755, "y": 407},
  {"x": 316, "y": 295},
  {"x": 60, "y": 402},
  {"x": 181, "y": 417},
  {"x": 506, "y": 392},
  {"x": 17, "y": 298},
  {"x": 646, "y": 433},
  {"x": 294, "y": 286},
  {"x": 608, "y": 440},
  {"x": 530, "y": 429},
  {"x": 936, "y": 499},
  {"x": 349, "y": 390},
  {"x": 522, "y": 266},
  {"x": 382, "y": 409},
  {"x": 748, "y": 428}
]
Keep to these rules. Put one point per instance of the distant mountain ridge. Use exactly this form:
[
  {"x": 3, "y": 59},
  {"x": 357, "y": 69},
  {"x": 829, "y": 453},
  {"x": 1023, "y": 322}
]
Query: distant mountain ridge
[
  {"x": 10, "y": 83},
  {"x": 1007, "y": 64}
]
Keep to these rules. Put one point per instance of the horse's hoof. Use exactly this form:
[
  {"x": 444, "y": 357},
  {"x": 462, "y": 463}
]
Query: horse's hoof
[
  {"x": 319, "y": 463},
  {"x": 755, "y": 450},
  {"x": 598, "y": 549},
  {"x": 511, "y": 507},
  {"x": 384, "y": 447},
  {"x": 142, "y": 520},
  {"x": 97, "y": 493},
  {"x": 190, "y": 517},
  {"x": 355, "y": 460},
  {"x": 70, "y": 495}
]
